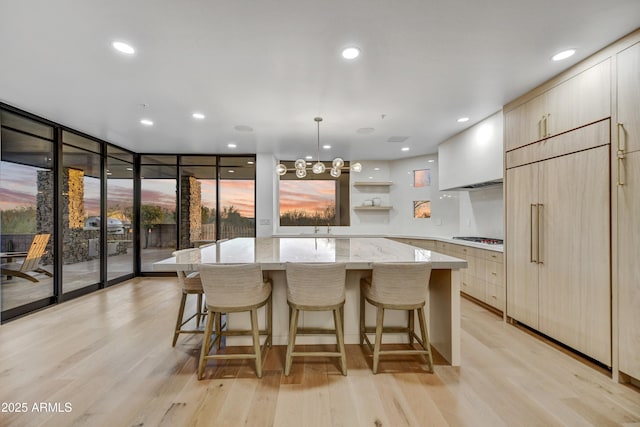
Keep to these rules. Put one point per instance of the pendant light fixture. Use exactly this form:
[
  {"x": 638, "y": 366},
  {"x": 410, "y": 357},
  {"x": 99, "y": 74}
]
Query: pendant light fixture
[{"x": 301, "y": 164}]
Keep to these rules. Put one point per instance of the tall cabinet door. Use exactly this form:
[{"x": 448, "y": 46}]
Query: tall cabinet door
[
  {"x": 521, "y": 249},
  {"x": 629, "y": 98},
  {"x": 629, "y": 212},
  {"x": 629, "y": 267},
  {"x": 574, "y": 275}
]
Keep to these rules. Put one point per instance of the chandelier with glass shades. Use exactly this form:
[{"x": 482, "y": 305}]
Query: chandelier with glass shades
[{"x": 300, "y": 165}]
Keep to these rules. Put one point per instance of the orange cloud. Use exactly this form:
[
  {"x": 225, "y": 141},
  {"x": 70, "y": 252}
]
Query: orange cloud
[{"x": 309, "y": 196}]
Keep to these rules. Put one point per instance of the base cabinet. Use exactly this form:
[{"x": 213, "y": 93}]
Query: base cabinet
[{"x": 483, "y": 277}]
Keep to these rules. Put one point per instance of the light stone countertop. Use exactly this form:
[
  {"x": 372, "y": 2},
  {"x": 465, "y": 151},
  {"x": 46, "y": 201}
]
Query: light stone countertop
[
  {"x": 273, "y": 252},
  {"x": 495, "y": 248}
]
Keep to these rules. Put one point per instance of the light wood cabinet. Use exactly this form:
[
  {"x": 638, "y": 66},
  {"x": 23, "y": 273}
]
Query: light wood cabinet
[
  {"x": 558, "y": 257},
  {"x": 574, "y": 260},
  {"x": 483, "y": 277},
  {"x": 573, "y": 144},
  {"x": 524, "y": 124},
  {"x": 494, "y": 270},
  {"x": 522, "y": 196},
  {"x": 628, "y": 210},
  {"x": 629, "y": 267},
  {"x": 628, "y": 99},
  {"x": 582, "y": 99}
]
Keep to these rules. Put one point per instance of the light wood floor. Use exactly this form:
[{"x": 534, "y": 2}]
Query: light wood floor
[{"x": 109, "y": 356}]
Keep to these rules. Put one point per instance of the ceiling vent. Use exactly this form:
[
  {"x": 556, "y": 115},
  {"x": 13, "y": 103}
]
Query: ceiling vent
[{"x": 397, "y": 138}]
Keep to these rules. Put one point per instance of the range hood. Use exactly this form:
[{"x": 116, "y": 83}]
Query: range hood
[
  {"x": 479, "y": 185},
  {"x": 472, "y": 159}
]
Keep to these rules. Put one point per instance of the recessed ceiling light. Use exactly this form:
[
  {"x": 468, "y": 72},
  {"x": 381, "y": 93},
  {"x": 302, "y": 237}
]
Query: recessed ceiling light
[
  {"x": 326, "y": 147},
  {"x": 309, "y": 157},
  {"x": 350, "y": 53},
  {"x": 431, "y": 161},
  {"x": 198, "y": 116},
  {"x": 563, "y": 55},
  {"x": 231, "y": 145},
  {"x": 376, "y": 169},
  {"x": 370, "y": 177},
  {"x": 250, "y": 162},
  {"x": 129, "y": 169},
  {"x": 405, "y": 148},
  {"x": 146, "y": 122},
  {"x": 124, "y": 48},
  {"x": 463, "y": 119},
  {"x": 232, "y": 171}
]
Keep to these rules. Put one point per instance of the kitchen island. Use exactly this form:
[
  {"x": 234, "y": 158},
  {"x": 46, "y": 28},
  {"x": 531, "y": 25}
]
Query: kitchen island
[{"x": 358, "y": 254}]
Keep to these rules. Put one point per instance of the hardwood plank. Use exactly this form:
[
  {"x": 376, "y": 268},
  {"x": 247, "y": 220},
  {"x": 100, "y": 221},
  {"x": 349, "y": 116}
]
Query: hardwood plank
[{"x": 109, "y": 355}]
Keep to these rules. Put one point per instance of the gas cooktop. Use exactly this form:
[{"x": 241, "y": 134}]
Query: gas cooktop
[{"x": 485, "y": 240}]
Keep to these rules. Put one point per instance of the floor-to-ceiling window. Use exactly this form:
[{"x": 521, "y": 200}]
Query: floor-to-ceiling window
[
  {"x": 237, "y": 198},
  {"x": 158, "y": 196},
  {"x": 120, "y": 213},
  {"x": 198, "y": 198},
  {"x": 80, "y": 206},
  {"x": 26, "y": 211},
  {"x": 57, "y": 180}
]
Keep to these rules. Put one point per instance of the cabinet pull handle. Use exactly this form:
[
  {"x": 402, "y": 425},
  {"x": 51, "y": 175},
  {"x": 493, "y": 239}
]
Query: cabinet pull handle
[
  {"x": 539, "y": 128},
  {"x": 620, "y": 164},
  {"x": 546, "y": 125},
  {"x": 620, "y": 153},
  {"x": 531, "y": 252},
  {"x": 619, "y": 126},
  {"x": 540, "y": 216}
]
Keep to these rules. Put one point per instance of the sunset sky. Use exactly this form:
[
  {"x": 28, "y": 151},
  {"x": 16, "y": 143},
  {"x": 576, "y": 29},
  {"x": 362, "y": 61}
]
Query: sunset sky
[
  {"x": 310, "y": 196},
  {"x": 18, "y": 189}
]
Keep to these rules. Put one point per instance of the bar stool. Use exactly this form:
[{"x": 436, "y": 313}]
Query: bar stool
[
  {"x": 396, "y": 286},
  {"x": 316, "y": 287},
  {"x": 191, "y": 285},
  {"x": 231, "y": 289}
]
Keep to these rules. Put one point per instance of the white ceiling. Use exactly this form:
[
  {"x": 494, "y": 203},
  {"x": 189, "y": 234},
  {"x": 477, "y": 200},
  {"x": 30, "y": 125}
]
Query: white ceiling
[{"x": 274, "y": 65}]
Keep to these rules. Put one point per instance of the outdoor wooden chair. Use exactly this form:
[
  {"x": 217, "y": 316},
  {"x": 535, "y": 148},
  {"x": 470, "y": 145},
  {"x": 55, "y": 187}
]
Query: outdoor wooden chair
[{"x": 31, "y": 263}]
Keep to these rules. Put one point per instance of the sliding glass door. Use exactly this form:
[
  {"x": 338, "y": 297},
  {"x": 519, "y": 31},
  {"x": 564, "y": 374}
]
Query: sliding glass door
[
  {"x": 26, "y": 214},
  {"x": 120, "y": 214},
  {"x": 158, "y": 195},
  {"x": 81, "y": 213}
]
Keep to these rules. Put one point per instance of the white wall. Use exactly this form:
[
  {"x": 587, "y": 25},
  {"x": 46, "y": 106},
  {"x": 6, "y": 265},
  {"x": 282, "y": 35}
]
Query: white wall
[
  {"x": 453, "y": 213},
  {"x": 266, "y": 194},
  {"x": 482, "y": 213},
  {"x": 445, "y": 210}
]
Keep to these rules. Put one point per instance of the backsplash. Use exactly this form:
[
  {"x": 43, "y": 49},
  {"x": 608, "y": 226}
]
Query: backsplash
[{"x": 482, "y": 213}]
